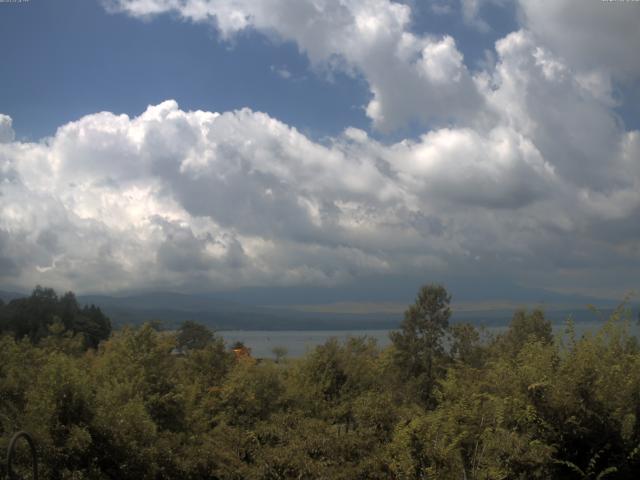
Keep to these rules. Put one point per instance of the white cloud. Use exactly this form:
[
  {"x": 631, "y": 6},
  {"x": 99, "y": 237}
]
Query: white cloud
[
  {"x": 442, "y": 63},
  {"x": 535, "y": 93},
  {"x": 176, "y": 199},
  {"x": 282, "y": 72},
  {"x": 411, "y": 77},
  {"x": 499, "y": 170},
  {"x": 6, "y": 131},
  {"x": 592, "y": 36},
  {"x": 472, "y": 15},
  {"x": 533, "y": 176}
]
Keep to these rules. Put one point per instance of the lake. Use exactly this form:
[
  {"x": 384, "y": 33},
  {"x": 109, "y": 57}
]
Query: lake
[{"x": 298, "y": 342}]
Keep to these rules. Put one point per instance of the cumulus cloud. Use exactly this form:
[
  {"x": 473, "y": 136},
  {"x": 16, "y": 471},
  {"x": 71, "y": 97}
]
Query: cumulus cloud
[
  {"x": 471, "y": 12},
  {"x": 421, "y": 77},
  {"x": 410, "y": 76},
  {"x": 532, "y": 177},
  {"x": 193, "y": 199},
  {"x": 6, "y": 131},
  {"x": 535, "y": 93},
  {"x": 592, "y": 36}
]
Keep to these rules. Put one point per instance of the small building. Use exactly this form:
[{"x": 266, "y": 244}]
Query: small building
[
  {"x": 241, "y": 351},
  {"x": 178, "y": 351}
]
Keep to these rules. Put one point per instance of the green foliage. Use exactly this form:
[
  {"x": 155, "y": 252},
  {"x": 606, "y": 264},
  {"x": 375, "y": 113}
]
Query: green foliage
[
  {"x": 520, "y": 406},
  {"x": 466, "y": 345},
  {"x": 34, "y": 317},
  {"x": 280, "y": 353},
  {"x": 193, "y": 336},
  {"x": 419, "y": 343},
  {"x": 525, "y": 327}
]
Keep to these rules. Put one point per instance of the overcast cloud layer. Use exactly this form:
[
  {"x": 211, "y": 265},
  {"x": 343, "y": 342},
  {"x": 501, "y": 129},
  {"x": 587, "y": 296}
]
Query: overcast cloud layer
[{"x": 523, "y": 171}]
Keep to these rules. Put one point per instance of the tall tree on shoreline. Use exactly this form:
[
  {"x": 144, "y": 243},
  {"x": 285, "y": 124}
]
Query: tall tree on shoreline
[{"x": 418, "y": 343}]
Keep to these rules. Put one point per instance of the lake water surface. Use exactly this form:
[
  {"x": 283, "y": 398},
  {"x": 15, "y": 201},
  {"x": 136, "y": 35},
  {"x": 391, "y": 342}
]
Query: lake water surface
[{"x": 298, "y": 342}]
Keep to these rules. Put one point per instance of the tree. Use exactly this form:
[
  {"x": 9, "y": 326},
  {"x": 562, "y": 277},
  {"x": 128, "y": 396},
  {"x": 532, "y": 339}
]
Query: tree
[
  {"x": 465, "y": 344},
  {"x": 33, "y": 316},
  {"x": 418, "y": 344},
  {"x": 524, "y": 328},
  {"x": 93, "y": 324},
  {"x": 193, "y": 336},
  {"x": 279, "y": 353}
]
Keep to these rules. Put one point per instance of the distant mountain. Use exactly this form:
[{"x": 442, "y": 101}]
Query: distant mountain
[
  {"x": 174, "y": 308},
  {"x": 403, "y": 290},
  {"x": 8, "y": 296},
  {"x": 306, "y": 308},
  {"x": 162, "y": 300},
  {"x": 240, "y": 310}
]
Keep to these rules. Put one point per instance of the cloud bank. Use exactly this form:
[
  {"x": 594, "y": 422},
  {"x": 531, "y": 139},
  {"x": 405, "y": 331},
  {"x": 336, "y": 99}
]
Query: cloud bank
[{"x": 524, "y": 170}]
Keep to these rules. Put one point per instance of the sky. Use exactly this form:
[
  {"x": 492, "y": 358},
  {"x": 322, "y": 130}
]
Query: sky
[{"x": 206, "y": 145}]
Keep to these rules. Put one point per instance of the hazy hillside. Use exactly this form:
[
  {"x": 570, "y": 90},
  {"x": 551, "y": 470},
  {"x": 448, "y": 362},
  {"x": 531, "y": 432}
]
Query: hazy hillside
[
  {"x": 240, "y": 310},
  {"x": 218, "y": 311}
]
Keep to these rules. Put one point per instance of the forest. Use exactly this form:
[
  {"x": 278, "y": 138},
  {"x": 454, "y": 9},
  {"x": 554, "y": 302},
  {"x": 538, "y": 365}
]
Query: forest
[{"x": 445, "y": 400}]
